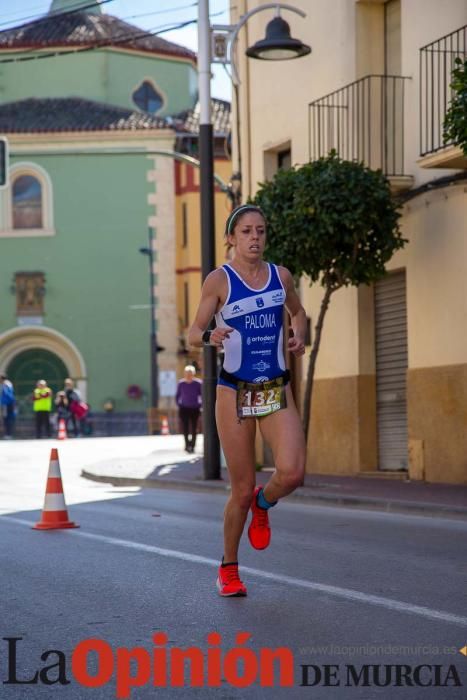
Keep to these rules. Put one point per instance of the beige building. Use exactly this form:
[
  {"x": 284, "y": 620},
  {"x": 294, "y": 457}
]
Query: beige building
[
  {"x": 390, "y": 388},
  {"x": 188, "y": 219}
]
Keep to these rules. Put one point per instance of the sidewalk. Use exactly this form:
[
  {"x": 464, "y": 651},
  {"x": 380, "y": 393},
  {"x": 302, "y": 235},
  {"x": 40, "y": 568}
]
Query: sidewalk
[{"x": 173, "y": 468}]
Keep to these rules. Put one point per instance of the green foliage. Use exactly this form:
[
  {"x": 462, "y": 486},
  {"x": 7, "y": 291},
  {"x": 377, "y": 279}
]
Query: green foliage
[
  {"x": 331, "y": 219},
  {"x": 455, "y": 122}
]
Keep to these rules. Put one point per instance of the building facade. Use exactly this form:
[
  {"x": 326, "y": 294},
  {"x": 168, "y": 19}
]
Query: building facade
[
  {"x": 390, "y": 391},
  {"x": 89, "y": 175},
  {"x": 187, "y": 198}
]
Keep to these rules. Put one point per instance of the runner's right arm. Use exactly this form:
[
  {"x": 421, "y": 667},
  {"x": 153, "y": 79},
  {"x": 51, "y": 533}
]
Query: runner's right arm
[{"x": 213, "y": 291}]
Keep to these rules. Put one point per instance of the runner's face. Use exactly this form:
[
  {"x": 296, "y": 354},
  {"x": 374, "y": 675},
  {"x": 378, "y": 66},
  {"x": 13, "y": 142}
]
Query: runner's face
[{"x": 249, "y": 236}]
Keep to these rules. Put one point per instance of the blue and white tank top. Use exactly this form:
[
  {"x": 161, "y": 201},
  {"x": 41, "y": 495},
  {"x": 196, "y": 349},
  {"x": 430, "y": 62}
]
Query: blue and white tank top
[{"x": 254, "y": 350}]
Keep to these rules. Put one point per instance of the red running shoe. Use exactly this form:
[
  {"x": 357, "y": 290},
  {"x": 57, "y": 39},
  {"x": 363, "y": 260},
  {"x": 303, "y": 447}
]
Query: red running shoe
[
  {"x": 228, "y": 581},
  {"x": 259, "y": 532}
]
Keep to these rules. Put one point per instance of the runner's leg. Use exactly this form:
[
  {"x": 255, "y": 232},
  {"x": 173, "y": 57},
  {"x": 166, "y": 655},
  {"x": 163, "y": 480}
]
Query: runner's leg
[
  {"x": 238, "y": 443},
  {"x": 284, "y": 433}
]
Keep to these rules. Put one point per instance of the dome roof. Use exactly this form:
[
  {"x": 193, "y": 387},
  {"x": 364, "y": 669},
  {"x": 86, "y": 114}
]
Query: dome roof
[
  {"x": 85, "y": 28},
  {"x": 58, "y": 114}
]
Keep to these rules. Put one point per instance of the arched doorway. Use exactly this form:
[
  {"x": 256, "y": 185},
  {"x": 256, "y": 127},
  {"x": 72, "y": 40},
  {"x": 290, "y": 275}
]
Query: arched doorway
[
  {"x": 28, "y": 367},
  {"x": 39, "y": 352}
]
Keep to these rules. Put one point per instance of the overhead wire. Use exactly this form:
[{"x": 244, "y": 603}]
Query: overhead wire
[
  {"x": 101, "y": 44},
  {"x": 79, "y": 8},
  {"x": 33, "y": 19},
  {"x": 37, "y": 9},
  {"x": 161, "y": 12},
  {"x": 47, "y": 16},
  {"x": 134, "y": 36}
]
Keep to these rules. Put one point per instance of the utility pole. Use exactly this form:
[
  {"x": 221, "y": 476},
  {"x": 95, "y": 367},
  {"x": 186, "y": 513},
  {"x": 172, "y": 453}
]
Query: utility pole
[
  {"x": 154, "y": 372},
  {"x": 212, "y": 464}
]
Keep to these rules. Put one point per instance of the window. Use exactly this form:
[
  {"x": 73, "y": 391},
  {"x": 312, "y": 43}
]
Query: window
[
  {"x": 284, "y": 159},
  {"x": 392, "y": 38},
  {"x": 279, "y": 157},
  {"x": 26, "y": 193},
  {"x": 26, "y": 206},
  {"x": 147, "y": 98}
]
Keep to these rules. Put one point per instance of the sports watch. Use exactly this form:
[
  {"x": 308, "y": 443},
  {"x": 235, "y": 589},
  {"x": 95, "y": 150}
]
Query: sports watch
[{"x": 206, "y": 337}]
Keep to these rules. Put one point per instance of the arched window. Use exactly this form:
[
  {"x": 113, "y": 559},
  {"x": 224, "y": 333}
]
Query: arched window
[
  {"x": 147, "y": 98},
  {"x": 26, "y": 205},
  {"x": 26, "y": 193}
]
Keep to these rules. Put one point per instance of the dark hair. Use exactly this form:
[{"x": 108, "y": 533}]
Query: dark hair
[{"x": 239, "y": 211}]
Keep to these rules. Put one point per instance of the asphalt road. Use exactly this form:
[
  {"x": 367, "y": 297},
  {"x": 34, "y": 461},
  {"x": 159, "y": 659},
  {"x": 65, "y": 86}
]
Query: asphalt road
[{"x": 336, "y": 587}]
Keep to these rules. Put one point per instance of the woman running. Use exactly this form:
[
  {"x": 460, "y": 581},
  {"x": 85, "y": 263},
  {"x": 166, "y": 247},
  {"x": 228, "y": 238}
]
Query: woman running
[{"x": 247, "y": 297}]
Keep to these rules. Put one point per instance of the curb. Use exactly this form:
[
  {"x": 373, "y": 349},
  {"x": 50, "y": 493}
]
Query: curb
[
  {"x": 367, "y": 502},
  {"x": 183, "y": 484}
]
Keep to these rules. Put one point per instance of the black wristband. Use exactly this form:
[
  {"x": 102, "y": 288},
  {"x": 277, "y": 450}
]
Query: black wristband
[{"x": 206, "y": 337}]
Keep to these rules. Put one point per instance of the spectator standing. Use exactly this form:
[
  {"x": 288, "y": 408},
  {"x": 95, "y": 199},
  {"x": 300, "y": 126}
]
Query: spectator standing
[
  {"x": 189, "y": 398},
  {"x": 8, "y": 406},
  {"x": 72, "y": 396},
  {"x": 42, "y": 398}
]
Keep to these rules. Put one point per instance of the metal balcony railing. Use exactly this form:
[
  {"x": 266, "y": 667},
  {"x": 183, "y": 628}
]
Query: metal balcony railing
[
  {"x": 437, "y": 61},
  {"x": 362, "y": 121}
]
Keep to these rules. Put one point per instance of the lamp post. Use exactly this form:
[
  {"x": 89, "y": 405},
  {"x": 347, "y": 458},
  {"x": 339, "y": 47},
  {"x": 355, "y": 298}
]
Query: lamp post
[
  {"x": 277, "y": 45},
  {"x": 149, "y": 251}
]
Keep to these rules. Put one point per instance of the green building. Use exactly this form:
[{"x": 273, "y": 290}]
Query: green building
[{"x": 84, "y": 101}]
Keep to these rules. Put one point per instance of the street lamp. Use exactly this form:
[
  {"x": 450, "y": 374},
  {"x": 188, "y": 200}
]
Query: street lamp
[
  {"x": 277, "y": 45},
  {"x": 153, "y": 348}
]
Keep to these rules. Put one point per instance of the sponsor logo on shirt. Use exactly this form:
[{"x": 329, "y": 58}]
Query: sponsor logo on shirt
[
  {"x": 278, "y": 296},
  {"x": 261, "y": 379},
  {"x": 261, "y": 339},
  {"x": 260, "y": 302},
  {"x": 236, "y": 309},
  {"x": 261, "y": 366}
]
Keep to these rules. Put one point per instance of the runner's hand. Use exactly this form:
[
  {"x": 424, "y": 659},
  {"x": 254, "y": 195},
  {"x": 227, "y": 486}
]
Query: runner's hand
[
  {"x": 218, "y": 336},
  {"x": 296, "y": 346}
]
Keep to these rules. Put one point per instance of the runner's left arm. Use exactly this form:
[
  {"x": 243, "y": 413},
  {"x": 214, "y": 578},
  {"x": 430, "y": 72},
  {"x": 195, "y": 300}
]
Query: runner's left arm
[{"x": 296, "y": 344}]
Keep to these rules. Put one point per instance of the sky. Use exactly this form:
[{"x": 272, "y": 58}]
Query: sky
[{"x": 155, "y": 14}]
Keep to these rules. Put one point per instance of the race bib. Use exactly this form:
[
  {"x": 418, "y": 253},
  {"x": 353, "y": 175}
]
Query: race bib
[{"x": 262, "y": 399}]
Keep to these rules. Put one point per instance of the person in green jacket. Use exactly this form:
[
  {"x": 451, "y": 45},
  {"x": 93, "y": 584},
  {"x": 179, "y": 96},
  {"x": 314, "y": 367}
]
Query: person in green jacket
[{"x": 42, "y": 398}]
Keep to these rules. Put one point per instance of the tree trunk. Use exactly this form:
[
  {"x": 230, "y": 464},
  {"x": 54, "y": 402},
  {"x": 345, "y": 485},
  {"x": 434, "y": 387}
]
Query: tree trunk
[{"x": 312, "y": 362}]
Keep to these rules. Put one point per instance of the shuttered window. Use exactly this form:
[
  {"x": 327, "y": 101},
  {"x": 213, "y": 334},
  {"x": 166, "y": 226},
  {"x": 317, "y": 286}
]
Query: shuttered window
[{"x": 391, "y": 371}]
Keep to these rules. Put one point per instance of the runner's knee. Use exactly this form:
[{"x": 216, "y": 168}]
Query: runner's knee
[
  {"x": 291, "y": 479},
  {"x": 242, "y": 495}
]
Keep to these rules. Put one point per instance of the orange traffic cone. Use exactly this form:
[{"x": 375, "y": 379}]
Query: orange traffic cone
[
  {"x": 62, "y": 429},
  {"x": 165, "y": 426},
  {"x": 54, "y": 513}
]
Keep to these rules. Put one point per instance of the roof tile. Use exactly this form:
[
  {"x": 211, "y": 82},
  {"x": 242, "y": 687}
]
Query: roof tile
[
  {"x": 82, "y": 29},
  {"x": 35, "y": 115},
  {"x": 188, "y": 121}
]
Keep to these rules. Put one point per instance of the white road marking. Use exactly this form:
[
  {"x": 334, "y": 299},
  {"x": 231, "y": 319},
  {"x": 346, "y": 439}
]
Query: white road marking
[{"x": 336, "y": 591}]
